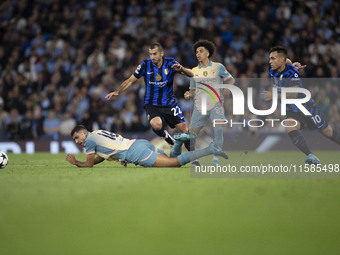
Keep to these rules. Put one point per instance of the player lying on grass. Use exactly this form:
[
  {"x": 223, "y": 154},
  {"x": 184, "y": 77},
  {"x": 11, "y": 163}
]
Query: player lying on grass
[{"x": 111, "y": 146}]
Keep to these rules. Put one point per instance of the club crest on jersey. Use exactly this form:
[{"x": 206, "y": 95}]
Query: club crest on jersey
[
  {"x": 213, "y": 72},
  {"x": 205, "y": 73},
  {"x": 166, "y": 71}
]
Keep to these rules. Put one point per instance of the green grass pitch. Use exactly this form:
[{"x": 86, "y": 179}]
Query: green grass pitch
[{"x": 48, "y": 206}]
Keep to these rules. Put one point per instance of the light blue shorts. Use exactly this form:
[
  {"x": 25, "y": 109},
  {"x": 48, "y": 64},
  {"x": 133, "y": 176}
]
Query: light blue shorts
[
  {"x": 200, "y": 120},
  {"x": 143, "y": 153}
]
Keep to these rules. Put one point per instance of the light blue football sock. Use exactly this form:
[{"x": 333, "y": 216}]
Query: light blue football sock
[
  {"x": 218, "y": 133},
  {"x": 177, "y": 148},
  {"x": 188, "y": 156}
]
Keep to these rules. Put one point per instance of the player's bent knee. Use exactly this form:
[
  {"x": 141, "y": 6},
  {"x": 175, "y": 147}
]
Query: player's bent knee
[{"x": 328, "y": 132}]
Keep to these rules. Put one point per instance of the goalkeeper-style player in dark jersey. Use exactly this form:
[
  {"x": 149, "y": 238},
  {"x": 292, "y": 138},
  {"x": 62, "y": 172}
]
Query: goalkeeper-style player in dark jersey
[
  {"x": 160, "y": 103},
  {"x": 284, "y": 74}
]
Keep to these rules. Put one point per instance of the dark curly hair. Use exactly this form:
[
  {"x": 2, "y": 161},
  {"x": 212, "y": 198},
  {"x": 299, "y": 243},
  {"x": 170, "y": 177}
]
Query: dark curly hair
[{"x": 210, "y": 46}]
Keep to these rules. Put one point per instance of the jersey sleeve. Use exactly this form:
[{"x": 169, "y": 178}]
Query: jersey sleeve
[
  {"x": 294, "y": 80},
  {"x": 90, "y": 146},
  {"x": 270, "y": 72},
  {"x": 140, "y": 70},
  {"x": 171, "y": 63},
  {"x": 192, "y": 83},
  {"x": 223, "y": 72}
]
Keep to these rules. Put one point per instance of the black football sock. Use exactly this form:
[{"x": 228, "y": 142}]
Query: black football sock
[
  {"x": 299, "y": 141},
  {"x": 190, "y": 145},
  {"x": 335, "y": 137},
  {"x": 160, "y": 133},
  {"x": 187, "y": 145}
]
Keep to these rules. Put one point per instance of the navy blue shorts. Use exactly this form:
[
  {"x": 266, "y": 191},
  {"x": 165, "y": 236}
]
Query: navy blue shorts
[
  {"x": 171, "y": 115},
  {"x": 316, "y": 121}
]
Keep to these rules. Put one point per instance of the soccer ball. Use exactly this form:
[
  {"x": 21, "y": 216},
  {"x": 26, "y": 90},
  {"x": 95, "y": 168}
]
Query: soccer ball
[{"x": 3, "y": 159}]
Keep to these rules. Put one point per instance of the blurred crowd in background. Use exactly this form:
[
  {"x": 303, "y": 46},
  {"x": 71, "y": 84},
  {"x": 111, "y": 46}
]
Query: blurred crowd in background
[{"x": 58, "y": 59}]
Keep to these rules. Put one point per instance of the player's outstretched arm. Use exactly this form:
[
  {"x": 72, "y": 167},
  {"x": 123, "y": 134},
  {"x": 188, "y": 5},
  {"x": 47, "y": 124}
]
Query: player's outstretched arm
[
  {"x": 90, "y": 160},
  {"x": 125, "y": 85},
  {"x": 296, "y": 64},
  {"x": 186, "y": 71}
]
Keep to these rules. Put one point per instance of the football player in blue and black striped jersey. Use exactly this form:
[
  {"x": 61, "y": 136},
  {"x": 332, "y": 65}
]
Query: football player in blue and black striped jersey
[
  {"x": 160, "y": 103},
  {"x": 284, "y": 74}
]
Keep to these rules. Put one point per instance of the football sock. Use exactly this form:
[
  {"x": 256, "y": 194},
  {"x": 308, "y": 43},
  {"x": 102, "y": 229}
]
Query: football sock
[
  {"x": 218, "y": 139},
  {"x": 160, "y": 133},
  {"x": 192, "y": 144},
  {"x": 188, "y": 156},
  {"x": 299, "y": 141},
  {"x": 187, "y": 145},
  {"x": 177, "y": 147},
  {"x": 335, "y": 137}
]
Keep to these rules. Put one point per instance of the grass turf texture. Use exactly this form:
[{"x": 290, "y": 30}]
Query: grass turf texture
[{"x": 48, "y": 206}]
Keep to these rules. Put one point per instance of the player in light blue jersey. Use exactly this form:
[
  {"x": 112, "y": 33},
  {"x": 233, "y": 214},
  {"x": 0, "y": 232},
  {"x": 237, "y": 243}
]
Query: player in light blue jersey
[
  {"x": 207, "y": 75},
  {"x": 110, "y": 146}
]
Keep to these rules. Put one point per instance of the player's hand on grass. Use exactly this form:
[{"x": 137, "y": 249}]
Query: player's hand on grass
[
  {"x": 71, "y": 159},
  {"x": 124, "y": 163},
  {"x": 114, "y": 93},
  {"x": 267, "y": 95},
  {"x": 298, "y": 65}
]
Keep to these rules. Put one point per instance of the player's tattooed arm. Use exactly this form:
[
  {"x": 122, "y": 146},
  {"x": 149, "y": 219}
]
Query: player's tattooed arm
[
  {"x": 179, "y": 68},
  {"x": 125, "y": 85},
  {"x": 90, "y": 160}
]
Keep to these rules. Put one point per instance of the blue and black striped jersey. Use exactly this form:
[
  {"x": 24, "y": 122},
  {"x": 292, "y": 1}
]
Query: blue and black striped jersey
[
  {"x": 158, "y": 82},
  {"x": 289, "y": 77}
]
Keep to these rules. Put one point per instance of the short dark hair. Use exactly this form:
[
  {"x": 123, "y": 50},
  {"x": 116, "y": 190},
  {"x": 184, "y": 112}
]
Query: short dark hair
[
  {"x": 77, "y": 129},
  {"x": 210, "y": 46},
  {"x": 156, "y": 45},
  {"x": 280, "y": 49}
]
